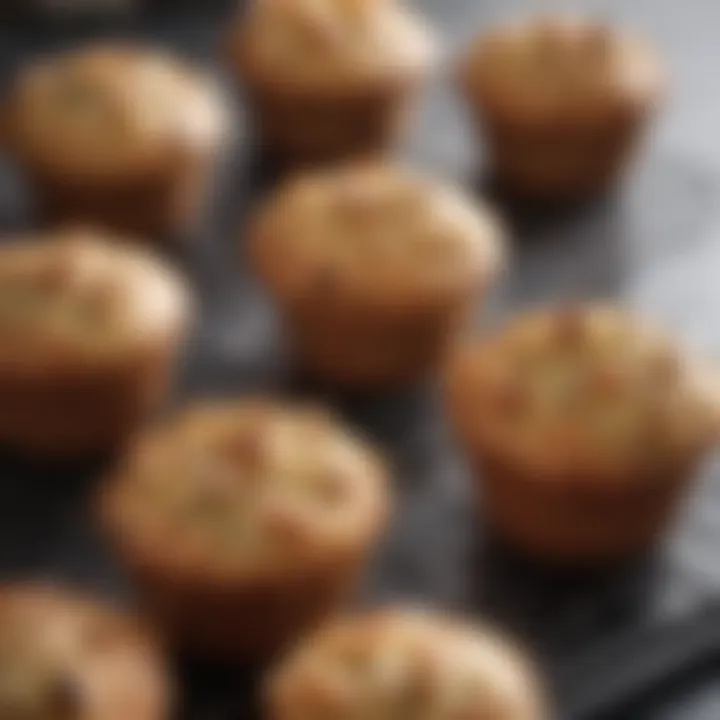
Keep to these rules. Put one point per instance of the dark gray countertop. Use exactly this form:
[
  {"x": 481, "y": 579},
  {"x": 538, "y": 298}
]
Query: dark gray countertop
[{"x": 655, "y": 245}]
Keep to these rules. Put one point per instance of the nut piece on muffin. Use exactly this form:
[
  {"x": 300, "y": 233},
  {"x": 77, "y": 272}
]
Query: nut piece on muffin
[
  {"x": 88, "y": 336},
  {"x": 64, "y": 656},
  {"x": 404, "y": 665},
  {"x": 375, "y": 269},
  {"x": 329, "y": 79},
  {"x": 561, "y": 103},
  {"x": 245, "y": 523},
  {"x": 118, "y": 136},
  {"x": 584, "y": 425}
]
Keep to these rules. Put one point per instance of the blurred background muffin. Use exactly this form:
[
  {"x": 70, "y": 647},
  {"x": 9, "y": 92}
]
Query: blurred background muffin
[
  {"x": 329, "y": 79},
  {"x": 88, "y": 336},
  {"x": 404, "y": 665},
  {"x": 119, "y": 136},
  {"x": 585, "y": 426},
  {"x": 375, "y": 269},
  {"x": 561, "y": 103},
  {"x": 245, "y": 523},
  {"x": 64, "y": 656}
]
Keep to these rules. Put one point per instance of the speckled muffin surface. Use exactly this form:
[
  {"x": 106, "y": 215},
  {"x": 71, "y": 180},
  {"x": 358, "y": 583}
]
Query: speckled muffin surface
[
  {"x": 113, "y": 111},
  {"x": 584, "y": 389},
  {"x": 586, "y": 416},
  {"x": 404, "y": 665},
  {"x": 237, "y": 501},
  {"x": 117, "y": 135},
  {"x": 315, "y": 45},
  {"x": 563, "y": 68},
  {"x": 375, "y": 259},
  {"x": 79, "y": 297},
  {"x": 329, "y": 79},
  {"x": 561, "y": 101},
  {"x": 89, "y": 331},
  {"x": 67, "y": 657}
]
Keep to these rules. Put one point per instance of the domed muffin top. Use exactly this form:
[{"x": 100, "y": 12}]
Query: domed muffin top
[
  {"x": 319, "y": 44},
  {"x": 402, "y": 665},
  {"x": 109, "y": 110},
  {"x": 559, "y": 67},
  {"x": 81, "y": 296},
  {"x": 374, "y": 233},
  {"x": 584, "y": 390},
  {"x": 247, "y": 488},
  {"x": 64, "y": 657}
]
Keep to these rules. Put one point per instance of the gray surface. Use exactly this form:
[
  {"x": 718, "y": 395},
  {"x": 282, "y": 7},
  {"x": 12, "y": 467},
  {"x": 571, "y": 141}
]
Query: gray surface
[{"x": 656, "y": 245}]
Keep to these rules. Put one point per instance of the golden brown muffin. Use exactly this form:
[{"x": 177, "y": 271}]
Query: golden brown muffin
[
  {"x": 245, "y": 523},
  {"x": 585, "y": 425},
  {"x": 329, "y": 79},
  {"x": 560, "y": 102},
  {"x": 88, "y": 332},
  {"x": 117, "y": 136},
  {"x": 67, "y": 657},
  {"x": 404, "y": 665},
  {"x": 375, "y": 269}
]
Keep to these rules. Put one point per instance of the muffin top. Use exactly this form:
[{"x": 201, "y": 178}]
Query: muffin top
[
  {"x": 250, "y": 488},
  {"x": 79, "y": 297},
  {"x": 404, "y": 665},
  {"x": 561, "y": 66},
  {"x": 581, "y": 391},
  {"x": 114, "y": 110},
  {"x": 374, "y": 233},
  {"x": 329, "y": 44},
  {"x": 69, "y": 658}
]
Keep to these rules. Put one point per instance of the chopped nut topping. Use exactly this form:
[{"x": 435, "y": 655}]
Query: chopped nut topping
[{"x": 249, "y": 490}]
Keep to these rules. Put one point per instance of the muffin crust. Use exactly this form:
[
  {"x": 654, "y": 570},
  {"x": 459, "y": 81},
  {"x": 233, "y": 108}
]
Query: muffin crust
[
  {"x": 118, "y": 136},
  {"x": 244, "y": 521},
  {"x": 329, "y": 80},
  {"x": 89, "y": 331},
  {"x": 561, "y": 103},
  {"x": 109, "y": 111},
  {"x": 374, "y": 268},
  {"x": 404, "y": 665},
  {"x": 66, "y": 657},
  {"x": 331, "y": 44},
  {"x": 563, "y": 69},
  {"x": 584, "y": 426}
]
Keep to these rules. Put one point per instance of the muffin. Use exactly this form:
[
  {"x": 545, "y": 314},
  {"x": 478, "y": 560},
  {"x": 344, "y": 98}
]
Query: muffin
[
  {"x": 88, "y": 333},
  {"x": 561, "y": 103},
  {"x": 329, "y": 79},
  {"x": 244, "y": 523},
  {"x": 404, "y": 665},
  {"x": 375, "y": 269},
  {"x": 117, "y": 136},
  {"x": 64, "y": 656},
  {"x": 585, "y": 425}
]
